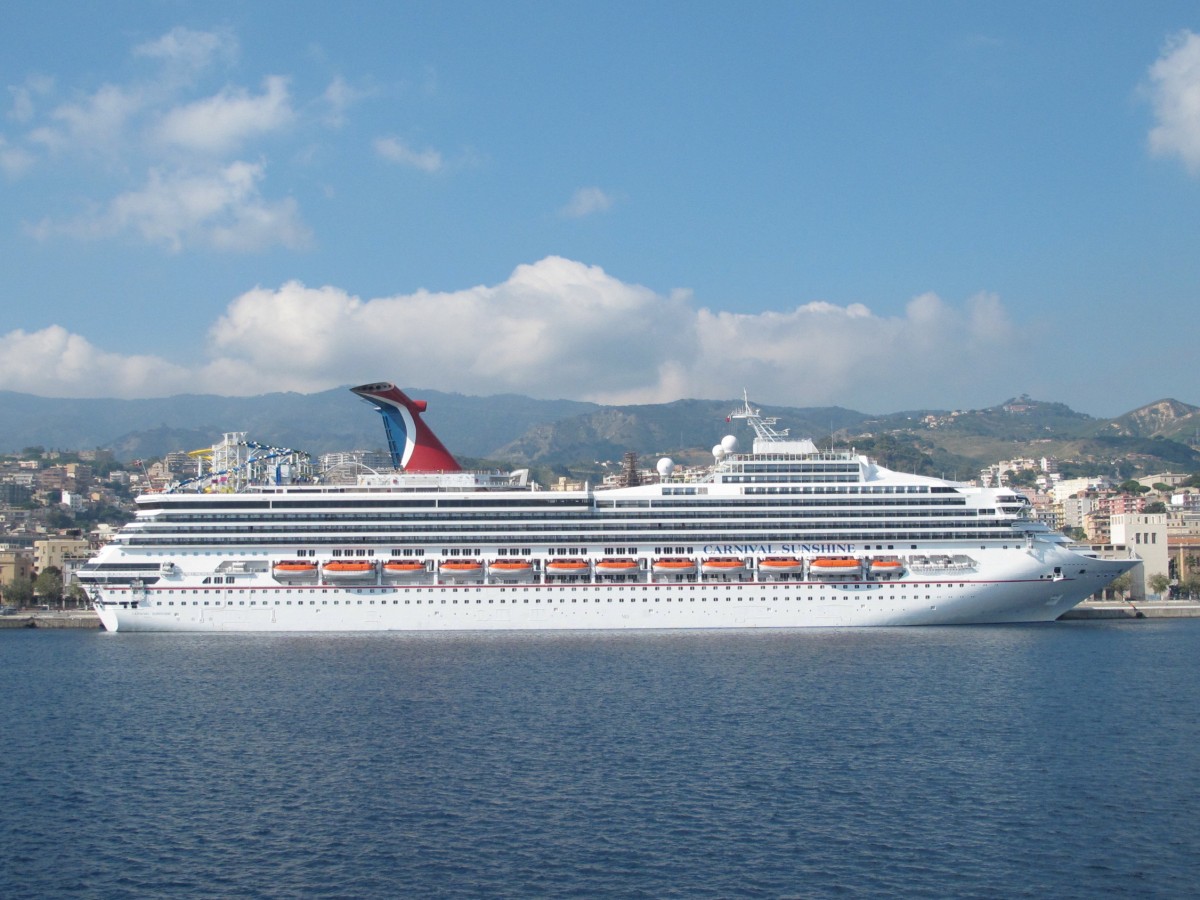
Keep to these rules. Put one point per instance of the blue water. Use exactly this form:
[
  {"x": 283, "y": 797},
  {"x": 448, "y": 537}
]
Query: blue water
[{"x": 1030, "y": 761}]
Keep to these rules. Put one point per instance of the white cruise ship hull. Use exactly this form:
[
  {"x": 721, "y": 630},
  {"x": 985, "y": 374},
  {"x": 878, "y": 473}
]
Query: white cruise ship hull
[
  {"x": 333, "y": 608},
  {"x": 785, "y": 536}
]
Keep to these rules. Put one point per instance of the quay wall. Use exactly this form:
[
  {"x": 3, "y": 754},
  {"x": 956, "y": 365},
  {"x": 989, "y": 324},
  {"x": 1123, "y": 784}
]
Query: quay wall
[{"x": 42, "y": 619}]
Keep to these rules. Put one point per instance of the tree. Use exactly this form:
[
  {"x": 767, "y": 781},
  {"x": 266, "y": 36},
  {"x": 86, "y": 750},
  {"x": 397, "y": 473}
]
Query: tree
[
  {"x": 19, "y": 592},
  {"x": 1156, "y": 507},
  {"x": 1159, "y": 583},
  {"x": 76, "y": 595},
  {"x": 1133, "y": 487},
  {"x": 1121, "y": 584},
  {"x": 1023, "y": 478},
  {"x": 48, "y": 585}
]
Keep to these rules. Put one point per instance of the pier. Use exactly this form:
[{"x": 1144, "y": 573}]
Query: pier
[{"x": 76, "y": 618}]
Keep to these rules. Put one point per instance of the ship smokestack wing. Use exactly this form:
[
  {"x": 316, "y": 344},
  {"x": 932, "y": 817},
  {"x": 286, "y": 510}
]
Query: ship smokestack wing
[{"x": 414, "y": 448}]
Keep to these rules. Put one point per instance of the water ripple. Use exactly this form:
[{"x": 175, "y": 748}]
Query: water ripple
[{"x": 971, "y": 762}]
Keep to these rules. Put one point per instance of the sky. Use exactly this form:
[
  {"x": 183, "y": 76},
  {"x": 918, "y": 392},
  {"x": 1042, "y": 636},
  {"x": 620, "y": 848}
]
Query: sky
[{"x": 877, "y": 205}]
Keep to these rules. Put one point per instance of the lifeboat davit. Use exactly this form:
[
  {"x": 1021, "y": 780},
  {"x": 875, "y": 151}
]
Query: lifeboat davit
[
  {"x": 612, "y": 565},
  {"x": 511, "y": 569},
  {"x": 462, "y": 569},
  {"x": 294, "y": 569},
  {"x": 562, "y": 567},
  {"x": 835, "y": 567},
  {"x": 723, "y": 565},
  {"x": 674, "y": 565},
  {"x": 780, "y": 565},
  {"x": 401, "y": 569},
  {"x": 348, "y": 570}
]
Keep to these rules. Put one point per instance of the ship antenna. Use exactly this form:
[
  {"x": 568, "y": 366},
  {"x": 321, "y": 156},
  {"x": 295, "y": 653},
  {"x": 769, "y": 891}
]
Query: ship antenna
[{"x": 764, "y": 426}]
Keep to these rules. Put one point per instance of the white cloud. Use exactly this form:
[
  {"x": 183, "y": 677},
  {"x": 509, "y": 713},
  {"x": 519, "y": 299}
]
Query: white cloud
[
  {"x": 338, "y": 98},
  {"x": 219, "y": 209},
  {"x": 14, "y": 161},
  {"x": 97, "y": 125},
  {"x": 55, "y": 363},
  {"x": 1175, "y": 94},
  {"x": 585, "y": 202},
  {"x": 559, "y": 328},
  {"x": 186, "y": 52},
  {"x": 395, "y": 150},
  {"x": 223, "y": 123},
  {"x": 168, "y": 156},
  {"x": 26, "y": 96}
]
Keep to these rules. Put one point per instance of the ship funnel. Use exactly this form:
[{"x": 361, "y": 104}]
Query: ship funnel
[{"x": 411, "y": 443}]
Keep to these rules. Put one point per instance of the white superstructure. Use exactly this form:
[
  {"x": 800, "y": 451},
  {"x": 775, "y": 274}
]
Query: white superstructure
[{"x": 784, "y": 536}]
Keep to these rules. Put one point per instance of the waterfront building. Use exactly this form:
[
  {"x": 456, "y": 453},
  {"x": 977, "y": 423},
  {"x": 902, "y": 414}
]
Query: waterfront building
[
  {"x": 54, "y": 551},
  {"x": 1146, "y": 535},
  {"x": 15, "y": 563}
]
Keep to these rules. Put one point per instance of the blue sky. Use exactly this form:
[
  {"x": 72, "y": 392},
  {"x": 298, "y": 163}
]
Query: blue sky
[{"x": 882, "y": 206}]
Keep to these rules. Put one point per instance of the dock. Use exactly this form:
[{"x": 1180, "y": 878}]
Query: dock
[
  {"x": 1134, "y": 609},
  {"x": 73, "y": 618}
]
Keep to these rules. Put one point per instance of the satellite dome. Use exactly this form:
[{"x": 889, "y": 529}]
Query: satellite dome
[
  {"x": 719, "y": 452},
  {"x": 729, "y": 442},
  {"x": 665, "y": 467}
]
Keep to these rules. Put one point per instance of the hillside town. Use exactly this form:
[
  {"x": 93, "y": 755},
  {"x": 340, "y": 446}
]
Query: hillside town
[{"x": 58, "y": 508}]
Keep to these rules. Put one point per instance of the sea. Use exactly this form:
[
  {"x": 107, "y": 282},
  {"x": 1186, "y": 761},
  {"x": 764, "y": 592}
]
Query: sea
[{"x": 1056, "y": 760}]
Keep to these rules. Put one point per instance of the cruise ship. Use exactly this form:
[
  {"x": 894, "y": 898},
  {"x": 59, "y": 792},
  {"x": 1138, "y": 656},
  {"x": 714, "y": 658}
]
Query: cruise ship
[{"x": 784, "y": 536}]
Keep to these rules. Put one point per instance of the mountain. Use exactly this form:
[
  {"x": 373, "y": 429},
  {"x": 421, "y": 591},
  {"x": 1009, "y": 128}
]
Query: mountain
[
  {"x": 1149, "y": 439},
  {"x": 318, "y": 423},
  {"x": 1165, "y": 418},
  {"x": 571, "y": 436}
]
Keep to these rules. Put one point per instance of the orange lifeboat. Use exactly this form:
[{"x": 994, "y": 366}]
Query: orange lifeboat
[
  {"x": 835, "y": 567},
  {"x": 562, "y": 566},
  {"x": 397, "y": 568},
  {"x": 779, "y": 565},
  {"x": 462, "y": 569},
  {"x": 674, "y": 565},
  {"x": 510, "y": 569},
  {"x": 348, "y": 570},
  {"x": 614, "y": 565},
  {"x": 722, "y": 565},
  {"x": 294, "y": 569},
  {"x": 887, "y": 566}
]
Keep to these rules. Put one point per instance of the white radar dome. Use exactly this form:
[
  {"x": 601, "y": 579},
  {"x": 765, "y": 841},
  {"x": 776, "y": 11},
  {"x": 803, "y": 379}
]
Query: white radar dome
[
  {"x": 666, "y": 466},
  {"x": 729, "y": 442},
  {"x": 719, "y": 452}
]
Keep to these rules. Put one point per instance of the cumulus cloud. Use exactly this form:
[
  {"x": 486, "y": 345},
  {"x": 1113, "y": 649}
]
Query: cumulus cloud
[
  {"x": 224, "y": 122},
  {"x": 1175, "y": 94},
  {"x": 185, "y": 52},
  {"x": 26, "y": 96},
  {"x": 397, "y": 151},
  {"x": 175, "y": 164},
  {"x": 55, "y": 363},
  {"x": 338, "y": 98},
  {"x": 14, "y": 161},
  {"x": 560, "y": 328},
  {"x": 221, "y": 209},
  {"x": 585, "y": 202},
  {"x": 96, "y": 125}
]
